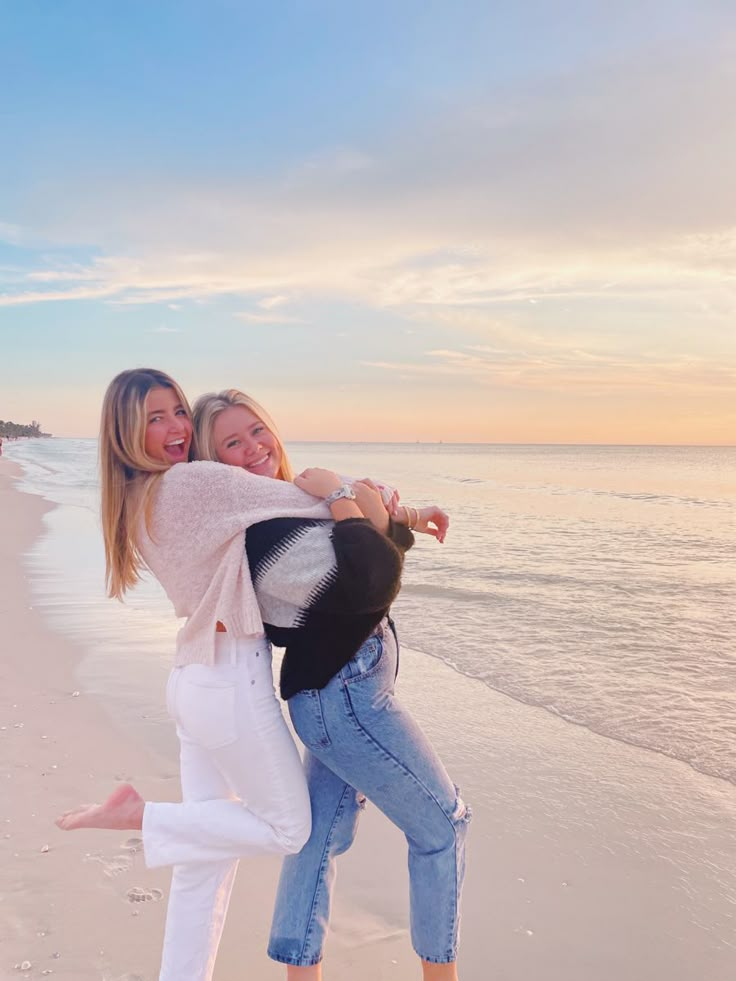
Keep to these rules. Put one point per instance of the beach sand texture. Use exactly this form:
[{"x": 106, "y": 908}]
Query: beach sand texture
[{"x": 589, "y": 860}]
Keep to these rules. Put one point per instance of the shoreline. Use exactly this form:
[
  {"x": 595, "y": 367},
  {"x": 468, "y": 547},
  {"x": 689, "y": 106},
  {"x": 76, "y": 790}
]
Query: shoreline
[{"x": 588, "y": 858}]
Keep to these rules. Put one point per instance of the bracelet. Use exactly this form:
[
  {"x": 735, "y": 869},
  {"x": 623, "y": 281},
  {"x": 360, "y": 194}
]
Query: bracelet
[{"x": 411, "y": 523}]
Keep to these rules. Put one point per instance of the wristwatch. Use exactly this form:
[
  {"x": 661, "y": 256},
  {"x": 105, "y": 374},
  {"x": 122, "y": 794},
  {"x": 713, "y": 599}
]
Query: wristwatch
[{"x": 345, "y": 491}]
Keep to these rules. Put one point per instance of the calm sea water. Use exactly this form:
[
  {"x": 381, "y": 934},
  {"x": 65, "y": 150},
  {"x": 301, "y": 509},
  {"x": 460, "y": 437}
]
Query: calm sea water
[{"x": 596, "y": 582}]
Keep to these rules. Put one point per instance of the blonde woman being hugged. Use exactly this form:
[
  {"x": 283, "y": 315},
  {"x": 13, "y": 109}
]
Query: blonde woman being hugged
[
  {"x": 243, "y": 787},
  {"x": 338, "y": 673}
]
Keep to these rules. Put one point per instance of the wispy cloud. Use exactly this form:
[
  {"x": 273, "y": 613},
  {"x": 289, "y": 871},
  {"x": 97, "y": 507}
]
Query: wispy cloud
[
  {"x": 23, "y": 298},
  {"x": 268, "y": 318},
  {"x": 581, "y": 372},
  {"x": 271, "y": 302},
  {"x": 77, "y": 275}
]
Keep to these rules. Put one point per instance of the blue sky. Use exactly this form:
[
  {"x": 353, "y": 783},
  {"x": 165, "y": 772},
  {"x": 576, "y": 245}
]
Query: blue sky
[{"x": 407, "y": 220}]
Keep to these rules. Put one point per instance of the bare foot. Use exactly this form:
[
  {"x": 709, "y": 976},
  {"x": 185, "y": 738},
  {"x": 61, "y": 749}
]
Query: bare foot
[{"x": 122, "y": 811}]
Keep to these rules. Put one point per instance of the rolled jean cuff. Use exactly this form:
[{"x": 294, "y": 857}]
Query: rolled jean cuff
[
  {"x": 294, "y": 961},
  {"x": 430, "y": 959}
]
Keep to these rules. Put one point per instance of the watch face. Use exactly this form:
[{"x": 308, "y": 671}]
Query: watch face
[{"x": 346, "y": 491}]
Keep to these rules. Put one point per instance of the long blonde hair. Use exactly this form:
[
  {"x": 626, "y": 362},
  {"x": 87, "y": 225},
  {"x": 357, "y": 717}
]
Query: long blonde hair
[
  {"x": 127, "y": 472},
  {"x": 208, "y": 407}
]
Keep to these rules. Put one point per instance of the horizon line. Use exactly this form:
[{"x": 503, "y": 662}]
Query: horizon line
[{"x": 440, "y": 442}]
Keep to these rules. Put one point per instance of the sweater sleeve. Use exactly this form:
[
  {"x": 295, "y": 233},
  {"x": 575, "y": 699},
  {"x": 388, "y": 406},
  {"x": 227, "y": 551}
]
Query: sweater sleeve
[
  {"x": 368, "y": 570},
  {"x": 213, "y": 502}
]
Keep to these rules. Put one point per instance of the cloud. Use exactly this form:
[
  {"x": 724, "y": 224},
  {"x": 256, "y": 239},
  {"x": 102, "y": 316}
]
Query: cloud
[
  {"x": 271, "y": 302},
  {"x": 48, "y": 296},
  {"x": 692, "y": 268},
  {"x": 576, "y": 371},
  {"x": 268, "y": 318},
  {"x": 77, "y": 275}
]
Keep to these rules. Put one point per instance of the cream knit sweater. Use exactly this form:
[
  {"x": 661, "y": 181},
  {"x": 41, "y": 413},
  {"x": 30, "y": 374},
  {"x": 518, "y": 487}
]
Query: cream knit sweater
[{"x": 196, "y": 547}]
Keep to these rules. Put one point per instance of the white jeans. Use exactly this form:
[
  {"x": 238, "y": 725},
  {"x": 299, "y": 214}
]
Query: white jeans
[{"x": 244, "y": 793}]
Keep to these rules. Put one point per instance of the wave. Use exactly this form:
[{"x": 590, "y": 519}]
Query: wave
[{"x": 705, "y": 767}]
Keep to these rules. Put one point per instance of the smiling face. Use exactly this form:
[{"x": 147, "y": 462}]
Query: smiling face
[
  {"x": 242, "y": 440},
  {"x": 168, "y": 427}
]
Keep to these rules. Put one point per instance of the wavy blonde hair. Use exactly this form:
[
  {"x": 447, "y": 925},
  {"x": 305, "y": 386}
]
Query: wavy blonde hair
[
  {"x": 127, "y": 472},
  {"x": 208, "y": 407}
]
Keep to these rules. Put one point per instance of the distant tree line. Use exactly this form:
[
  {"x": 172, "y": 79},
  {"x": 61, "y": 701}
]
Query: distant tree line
[{"x": 14, "y": 429}]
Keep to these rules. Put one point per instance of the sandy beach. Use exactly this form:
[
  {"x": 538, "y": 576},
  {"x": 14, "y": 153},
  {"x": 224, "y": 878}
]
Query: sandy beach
[
  {"x": 65, "y": 905},
  {"x": 590, "y": 860},
  {"x": 82, "y": 906}
]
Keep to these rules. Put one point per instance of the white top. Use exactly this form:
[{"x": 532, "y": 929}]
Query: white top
[{"x": 196, "y": 547}]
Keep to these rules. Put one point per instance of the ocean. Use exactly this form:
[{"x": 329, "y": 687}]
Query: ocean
[{"x": 597, "y": 583}]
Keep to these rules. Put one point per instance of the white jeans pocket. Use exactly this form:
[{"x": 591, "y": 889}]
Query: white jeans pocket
[{"x": 205, "y": 711}]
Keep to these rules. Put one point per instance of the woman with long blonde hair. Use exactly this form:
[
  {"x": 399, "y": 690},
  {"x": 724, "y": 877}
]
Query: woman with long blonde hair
[
  {"x": 243, "y": 788},
  {"x": 338, "y": 673}
]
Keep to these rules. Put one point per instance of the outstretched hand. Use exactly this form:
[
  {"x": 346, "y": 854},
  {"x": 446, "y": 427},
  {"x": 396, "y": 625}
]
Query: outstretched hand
[{"x": 433, "y": 521}]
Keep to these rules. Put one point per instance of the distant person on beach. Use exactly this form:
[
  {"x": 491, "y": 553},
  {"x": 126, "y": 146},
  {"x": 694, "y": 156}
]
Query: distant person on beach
[
  {"x": 338, "y": 678},
  {"x": 243, "y": 785}
]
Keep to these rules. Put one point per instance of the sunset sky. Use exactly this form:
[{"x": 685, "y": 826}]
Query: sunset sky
[{"x": 385, "y": 220}]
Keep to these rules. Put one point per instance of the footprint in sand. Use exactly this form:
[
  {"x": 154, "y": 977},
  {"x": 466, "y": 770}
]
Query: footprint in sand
[
  {"x": 114, "y": 866},
  {"x": 121, "y": 863},
  {"x": 117, "y": 866},
  {"x": 132, "y": 845},
  {"x": 139, "y": 895}
]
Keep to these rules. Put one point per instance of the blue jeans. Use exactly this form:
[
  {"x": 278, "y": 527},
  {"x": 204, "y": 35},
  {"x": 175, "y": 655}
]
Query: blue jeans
[{"x": 362, "y": 743}]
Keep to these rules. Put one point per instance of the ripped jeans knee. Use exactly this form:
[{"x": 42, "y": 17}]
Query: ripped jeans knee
[{"x": 462, "y": 813}]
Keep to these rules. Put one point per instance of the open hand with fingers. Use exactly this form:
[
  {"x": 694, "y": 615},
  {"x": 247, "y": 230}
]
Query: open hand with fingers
[{"x": 430, "y": 520}]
